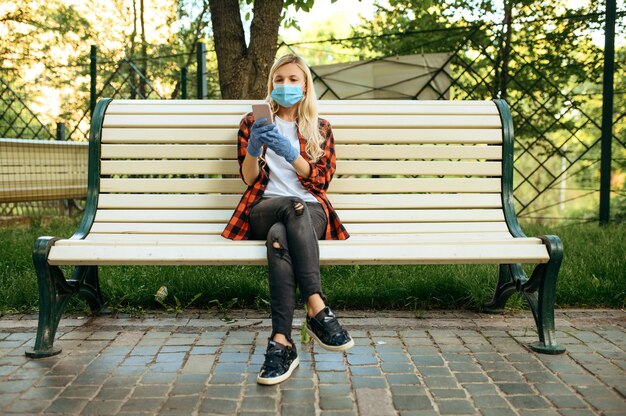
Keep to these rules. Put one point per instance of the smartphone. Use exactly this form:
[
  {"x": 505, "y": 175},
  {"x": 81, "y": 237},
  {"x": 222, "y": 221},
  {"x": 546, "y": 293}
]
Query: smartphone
[{"x": 263, "y": 111}]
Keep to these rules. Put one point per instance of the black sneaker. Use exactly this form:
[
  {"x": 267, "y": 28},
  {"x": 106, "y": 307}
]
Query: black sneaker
[
  {"x": 280, "y": 361},
  {"x": 325, "y": 328}
]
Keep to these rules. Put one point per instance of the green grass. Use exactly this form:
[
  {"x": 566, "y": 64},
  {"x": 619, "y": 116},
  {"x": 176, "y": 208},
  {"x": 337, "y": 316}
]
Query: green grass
[{"x": 593, "y": 275}]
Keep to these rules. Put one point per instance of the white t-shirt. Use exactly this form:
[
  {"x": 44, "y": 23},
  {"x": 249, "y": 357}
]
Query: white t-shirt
[{"x": 283, "y": 177}]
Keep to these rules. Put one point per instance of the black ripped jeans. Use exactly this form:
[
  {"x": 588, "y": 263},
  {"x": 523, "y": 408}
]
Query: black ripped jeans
[{"x": 291, "y": 229}]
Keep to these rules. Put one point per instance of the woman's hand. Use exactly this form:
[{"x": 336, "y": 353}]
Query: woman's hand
[
  {"x": 258, "y": 129},
  {"x": 280, "y": 145}
]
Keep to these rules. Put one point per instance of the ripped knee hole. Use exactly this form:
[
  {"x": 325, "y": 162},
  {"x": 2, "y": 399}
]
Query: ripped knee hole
[
  {"x": 298, "y": 208},
  {"x": 276, "y": 244}
]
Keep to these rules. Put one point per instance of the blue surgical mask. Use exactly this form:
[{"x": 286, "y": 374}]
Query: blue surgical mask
[{"x": 287, "y": 95}]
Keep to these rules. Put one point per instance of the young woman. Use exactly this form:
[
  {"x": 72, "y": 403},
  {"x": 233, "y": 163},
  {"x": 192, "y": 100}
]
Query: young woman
[{"x": 288, "y": 166}]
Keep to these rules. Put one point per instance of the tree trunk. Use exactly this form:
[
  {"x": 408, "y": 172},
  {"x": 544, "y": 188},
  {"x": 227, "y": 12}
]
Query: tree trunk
[{"x": 243, "y": 69}]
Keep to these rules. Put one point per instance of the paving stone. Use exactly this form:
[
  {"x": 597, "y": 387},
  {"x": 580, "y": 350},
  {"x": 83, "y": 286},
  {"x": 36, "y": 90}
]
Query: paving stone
[
  {"x": 374, "y": 401},
  {"x": 127, "y": 381},
  {"x": 226, "y": 378},
  {"x": 300, "y": 409},
  {"x": 6, "y": 398},
  {"x": 102, "y": 407},
  {"x": 332, "y": 377},
  {"x": 565, "y": 402},
  {"x": 505, "y": 376},
  {"x": 366, "y": 371},
  {"x": 577, "y": 412},
  {"x": 541, "y": 377},
  {"x": 427, "y": 360},
  {"x": 528, "y": 402},
  {"x": 155, "y": 377},
  {"x": 66, "y": 406},
  {"x": 17, "y": 386},
  {"x": 397, "y": 368},
  {"x": 456, "y": 407},
  {"x": 151, "y": 405},
  {"x": 62, "y": 381},
  {"x": 362, "y": 359},
  {"x": 402, "y": 379},
  {"x": 129, "y": 371},
  {"x": 490, "y": 401},
  {"x": 337, "y": 403},
  {"x": 448, "y": 393},
  {"x": 440, "y": 382},
  {"x": 607, "y": 403},
  {"x": 330, "y": 366},
  {"x": 394, "y": 357},
  {"x": 258, "y": 403},
  {"x": 326, "y": 390},
  {"x": 369, "y": 383},
  {"x": 553, "y": 389},
  {"x": 226, "y": 392},
  {"x": 297, "y": 383},
  {"x": 412, "y": 402},
  {"x": 515, "y": 388},
  {"x": 471, "y": 377},
  {"x": 298, "y": 395},
  {"x": 480, "y": 389},
  {"x": 401, "y": 390},
  {"x": 434, "y": 371},
  {"x": 40, "y": 393},
  {"x": 118, "y": 393},
  {"x": 180, "y": 404}
]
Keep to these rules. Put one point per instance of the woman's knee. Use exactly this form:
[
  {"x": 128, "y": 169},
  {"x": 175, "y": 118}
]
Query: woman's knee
[
  {"x": 277, "y": 237},
  {"x": 299, "y": 207}
]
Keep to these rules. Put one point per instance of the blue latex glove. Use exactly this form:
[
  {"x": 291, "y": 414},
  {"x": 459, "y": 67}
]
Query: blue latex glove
[
  {"x": 258, "y": 129},
  {"x": 280, "y": 145}
]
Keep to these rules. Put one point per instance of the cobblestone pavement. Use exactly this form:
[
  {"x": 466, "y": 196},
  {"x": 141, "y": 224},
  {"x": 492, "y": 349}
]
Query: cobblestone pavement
[{"x": 444, "y": 362}]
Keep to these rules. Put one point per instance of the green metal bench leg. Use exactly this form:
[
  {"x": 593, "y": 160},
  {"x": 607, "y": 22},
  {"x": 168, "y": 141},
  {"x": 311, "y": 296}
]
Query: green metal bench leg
[
  {"x": 89, "y": 287},
  {"x": 504, "y": 289},
  {"x": 54, "y": 293},
  {"x": 540, "y": 291}
]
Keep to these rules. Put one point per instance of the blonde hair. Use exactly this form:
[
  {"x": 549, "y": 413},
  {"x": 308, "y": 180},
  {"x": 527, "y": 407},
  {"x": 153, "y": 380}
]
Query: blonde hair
[{"x": 307, "y": 121}]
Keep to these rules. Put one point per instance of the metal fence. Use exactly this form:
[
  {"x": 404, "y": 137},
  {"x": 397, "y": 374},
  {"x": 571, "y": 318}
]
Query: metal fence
[{"x": 557, "y": 122}]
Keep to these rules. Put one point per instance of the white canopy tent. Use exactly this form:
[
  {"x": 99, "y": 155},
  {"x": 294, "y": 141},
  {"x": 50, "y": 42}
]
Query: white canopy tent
[{"x": 422, "y": 76}]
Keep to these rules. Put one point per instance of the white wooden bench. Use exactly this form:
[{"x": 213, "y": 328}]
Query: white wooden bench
[
  {"x": 39, "y": 170},
  {"x": 417, "y": 182}
]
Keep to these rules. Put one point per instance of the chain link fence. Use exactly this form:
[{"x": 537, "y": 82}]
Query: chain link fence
[{"x": 557, "y": 120}]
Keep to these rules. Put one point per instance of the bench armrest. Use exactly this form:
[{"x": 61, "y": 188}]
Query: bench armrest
[
  {"x": 508, "y": 141},
  {"x": 93, "y": 176}
]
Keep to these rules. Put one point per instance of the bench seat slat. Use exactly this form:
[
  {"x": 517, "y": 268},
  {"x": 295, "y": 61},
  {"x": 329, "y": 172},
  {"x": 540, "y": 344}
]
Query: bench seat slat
[
  {"x": 156, "y": 239},
  {"x": 347, "y": 216},
  {"x": 215, "y": 240},
  {"x": 330, "y": 253},
  {"x": 346, "y": 167},
  {"x": 338, "y": 185},
  {"x": 204, "y": 228},
  {"x": 219, "y": 201},
  {"x": 345, "y": 151},
  {"x": 445, "y": 134}
]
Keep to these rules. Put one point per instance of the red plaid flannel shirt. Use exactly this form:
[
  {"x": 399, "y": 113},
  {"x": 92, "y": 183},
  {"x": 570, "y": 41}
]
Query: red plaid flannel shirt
[{"x": 317, "y": 183}]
